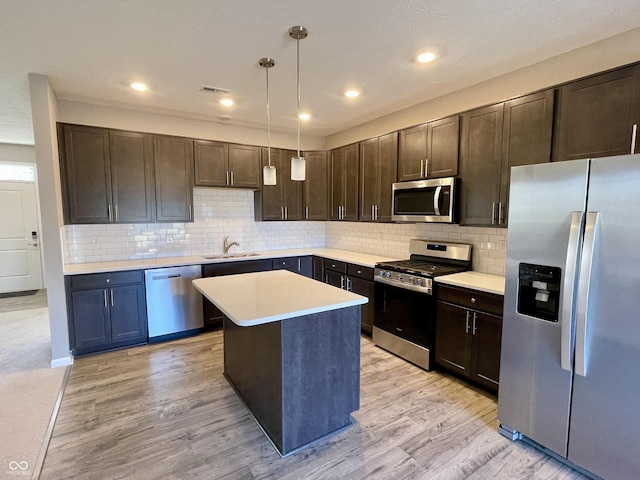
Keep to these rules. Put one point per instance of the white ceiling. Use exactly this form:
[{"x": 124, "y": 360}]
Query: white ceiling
[{"x": 92, "y": 49}]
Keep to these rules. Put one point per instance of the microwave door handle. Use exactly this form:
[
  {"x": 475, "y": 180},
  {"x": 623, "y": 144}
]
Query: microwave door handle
[
  {"x": 584, "y": 284},
  {"x": 568, "y": 289},
  {"x": 436, "y": 201}
]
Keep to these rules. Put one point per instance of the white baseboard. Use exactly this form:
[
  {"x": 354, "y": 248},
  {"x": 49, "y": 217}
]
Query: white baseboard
[{"x": 62, "y": 362}]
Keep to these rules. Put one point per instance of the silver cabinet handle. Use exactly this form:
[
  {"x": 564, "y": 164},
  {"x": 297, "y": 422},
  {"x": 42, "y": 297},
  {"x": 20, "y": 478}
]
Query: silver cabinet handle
[
  {"x": 232, "y": 182},
  {"x": 582, "y": 314},
  {"x": 342, "y": 282},
  {"x": 493, "y": 213},
  {"x": 190, "y": 212},
  {"x": 105, "y": 298},
  {"x": 634, "y": 132},
  {"x": 426, "y": 167},
  {"x": 475, "y": 317},
  {"x": 306, "y": 213},
  {"x": 227, "y": 177},
  {"x": 111, "y": 294},
  {"x": 377, "y": 212},
  {"x": 466, "y": 322},
  {"x": 567, "y": 313},
  {"x": 373, "y": 213},
  {"x": 286, "y": 213},
  {"x": 116, "y": 205},
  {"x": 348, "y": 284},
  {"x": 299, "y": 264},
  {"x": 109, "y": 212},
  {"x": 500, "y": 214},
  {"x": 281, "y": 213},
  {"x": 422, "y": 168}
]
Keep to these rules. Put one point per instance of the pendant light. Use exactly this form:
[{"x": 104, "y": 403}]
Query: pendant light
[
  {"x": 269, "y": 171},
  {"x": 298, "y": 166}
]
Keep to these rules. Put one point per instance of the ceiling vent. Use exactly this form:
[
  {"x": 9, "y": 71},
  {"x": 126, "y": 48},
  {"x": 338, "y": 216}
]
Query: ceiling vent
[{"x": 222, "y": 91}]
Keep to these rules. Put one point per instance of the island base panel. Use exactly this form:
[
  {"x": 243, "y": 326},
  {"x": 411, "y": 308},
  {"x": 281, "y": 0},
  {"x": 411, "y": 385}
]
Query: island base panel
[{"x": 299, "y": 377}]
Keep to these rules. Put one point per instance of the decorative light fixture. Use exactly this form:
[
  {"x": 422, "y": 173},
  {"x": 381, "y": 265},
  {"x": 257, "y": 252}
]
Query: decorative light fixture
[
  {"x": 351, "y": 93},
  {"x": 426, "y": 57},
  {"x": 298, "y": 164},
  {"x": 227, "y": 102},
  {"x": 139, "y": 86},
  {"x": 269, "y": 171}
]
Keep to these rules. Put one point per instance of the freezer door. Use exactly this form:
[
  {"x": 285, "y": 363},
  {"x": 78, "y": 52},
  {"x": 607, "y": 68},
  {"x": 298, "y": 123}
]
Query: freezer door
[
  {"x": 545, "y": 210},
  {"x": 605, "y": 418}
]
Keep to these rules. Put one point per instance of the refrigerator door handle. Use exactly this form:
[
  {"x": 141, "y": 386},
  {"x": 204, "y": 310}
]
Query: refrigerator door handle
[
  {"x": 568, "y": 291},
  {"x": 584, "y": 283}
]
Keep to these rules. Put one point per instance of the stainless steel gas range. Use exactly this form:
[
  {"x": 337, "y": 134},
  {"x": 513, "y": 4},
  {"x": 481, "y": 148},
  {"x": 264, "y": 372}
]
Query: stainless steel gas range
[{"x": 404, "y": 300}]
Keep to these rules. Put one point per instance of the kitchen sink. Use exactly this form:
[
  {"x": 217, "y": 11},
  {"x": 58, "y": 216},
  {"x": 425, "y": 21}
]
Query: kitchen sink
[{"x": 229, "y": 255}]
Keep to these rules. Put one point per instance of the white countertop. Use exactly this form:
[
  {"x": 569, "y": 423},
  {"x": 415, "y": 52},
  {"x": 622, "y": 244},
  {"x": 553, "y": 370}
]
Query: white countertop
[
  {"x": 362, "y": 259},
  {"x": 483, "y": 282},
  {"x": 255, "y": 298}
]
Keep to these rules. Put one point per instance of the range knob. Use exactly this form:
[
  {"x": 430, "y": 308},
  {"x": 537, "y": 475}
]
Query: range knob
[
  {"x": 419, "y": 281},
  {"x": 381, "y": 273},
  {"x": 399, "y": 276},
  {"x": 387, "y": 274}
]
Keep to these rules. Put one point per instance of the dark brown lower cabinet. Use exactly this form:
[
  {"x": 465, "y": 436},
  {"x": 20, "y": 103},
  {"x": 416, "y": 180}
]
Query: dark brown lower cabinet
[
  {"x": 356, "y": 279},
  {"x": 469, "y": 334},
  {"x": 301, "y": 265},
  {"x": 106, "y": 311}
]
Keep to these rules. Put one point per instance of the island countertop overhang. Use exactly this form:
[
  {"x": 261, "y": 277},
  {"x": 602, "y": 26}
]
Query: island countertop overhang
[{"x": 250, "y": 299}]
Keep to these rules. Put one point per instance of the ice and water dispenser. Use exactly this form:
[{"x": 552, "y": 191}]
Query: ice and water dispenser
[{"x": 539, "y": 291}]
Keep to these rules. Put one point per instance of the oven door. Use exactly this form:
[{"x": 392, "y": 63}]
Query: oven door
[{"x": 404, "y": 323}]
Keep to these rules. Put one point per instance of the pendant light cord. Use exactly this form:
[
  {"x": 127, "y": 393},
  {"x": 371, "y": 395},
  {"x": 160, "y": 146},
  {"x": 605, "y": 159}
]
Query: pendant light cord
[
  {"x": 298, "y": 81},
  {"x": 268, "y": 120}
]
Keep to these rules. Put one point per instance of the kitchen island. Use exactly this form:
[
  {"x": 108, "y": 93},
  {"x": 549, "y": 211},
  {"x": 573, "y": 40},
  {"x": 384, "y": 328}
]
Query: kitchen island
[{"x": 291, "y": 352}]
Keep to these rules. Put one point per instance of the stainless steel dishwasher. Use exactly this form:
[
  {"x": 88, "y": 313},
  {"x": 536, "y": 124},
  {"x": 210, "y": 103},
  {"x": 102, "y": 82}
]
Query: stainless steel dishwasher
[{"x": 173, "y": 304}]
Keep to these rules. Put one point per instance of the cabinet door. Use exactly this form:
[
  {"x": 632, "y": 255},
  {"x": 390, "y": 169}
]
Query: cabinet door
[
  {"x": 336, "y": 183},
  {"x": 128, "y": 313},
  {"x": 480, "y": 163},
  {"x": 596, "y": 115},
  {"x": 369, "y": 178},
  {"x": 350, "y": 186},
  {"x": 244, "y": 166},
  {"x": 291, "y": 189},
  {"x": 335, "y": 278},
  {"x": 366, "y": 289},
  {"x": 131, "y": 176},
  {"x": 272, "y": 204},
  {"x": 86, "y": 174},
  {"x": 315, "y": 186},
  {"x": 453, "y": 338},
  {"x": 90, "y": 311},
  {"x": 412, "y": 154},
  {"x": 443, "y": 138},
  {"x": 173, "y": 161},
  {"x": 286, "y": 263},
  {"x": 487, "y": 337},
  {"x": 528, "y": 124},
  {"x": 305, "y": 266},
  {"x": 211, "y": 163},
  {"x": 318, "y": 269},
  {"x": 388, "y": 168}
]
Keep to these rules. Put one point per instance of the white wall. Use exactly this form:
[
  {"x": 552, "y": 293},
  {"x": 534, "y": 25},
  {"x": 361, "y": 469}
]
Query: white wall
[
  {"x": 609, "y": 53},
  {"x": 112, "y": 117},
  {"x": 44, "y": 112}
]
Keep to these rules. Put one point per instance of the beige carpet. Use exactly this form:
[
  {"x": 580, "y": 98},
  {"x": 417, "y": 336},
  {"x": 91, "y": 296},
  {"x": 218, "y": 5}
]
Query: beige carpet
[{"x": 28, "y": 387}]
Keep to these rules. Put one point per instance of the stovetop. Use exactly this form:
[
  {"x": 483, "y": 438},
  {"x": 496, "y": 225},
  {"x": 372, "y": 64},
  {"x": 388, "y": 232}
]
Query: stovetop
[{"x": 421, "y": 267}]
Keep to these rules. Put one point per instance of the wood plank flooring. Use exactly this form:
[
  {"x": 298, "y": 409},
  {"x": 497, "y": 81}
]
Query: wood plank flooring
[{"x": 165, "y": 411}]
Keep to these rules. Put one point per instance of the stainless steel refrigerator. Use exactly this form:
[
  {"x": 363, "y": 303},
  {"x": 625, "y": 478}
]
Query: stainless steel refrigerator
[{"x": 570, "y": 361}]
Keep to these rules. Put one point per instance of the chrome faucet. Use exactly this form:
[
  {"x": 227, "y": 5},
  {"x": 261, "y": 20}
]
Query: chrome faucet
[{"x": 226, "y": 245}]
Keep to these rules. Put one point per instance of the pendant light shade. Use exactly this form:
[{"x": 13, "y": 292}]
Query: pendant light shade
[
  {"x": 269, "y": 171},
  {"x": 298, "y": 164}
]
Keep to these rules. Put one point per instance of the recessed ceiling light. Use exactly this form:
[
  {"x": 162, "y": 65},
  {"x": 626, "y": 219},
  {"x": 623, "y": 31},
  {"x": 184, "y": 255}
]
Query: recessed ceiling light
[
  {"x": 304, "y": 116},
  {"x": 141, "y": 87},
  {"x": 227, "y": 102},
  {"x": 426, "y": 57},
  {"x": 351, "y": 93}
]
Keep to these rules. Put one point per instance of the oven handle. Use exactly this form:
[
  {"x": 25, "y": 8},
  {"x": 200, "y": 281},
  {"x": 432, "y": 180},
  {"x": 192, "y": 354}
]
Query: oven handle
[
  {"x": 404, "y": 286},
  {"x": 436, "y": 201}
]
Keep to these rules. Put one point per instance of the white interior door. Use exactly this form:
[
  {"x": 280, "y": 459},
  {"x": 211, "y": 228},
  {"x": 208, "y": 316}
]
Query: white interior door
[{"x": 20, "y": 266}]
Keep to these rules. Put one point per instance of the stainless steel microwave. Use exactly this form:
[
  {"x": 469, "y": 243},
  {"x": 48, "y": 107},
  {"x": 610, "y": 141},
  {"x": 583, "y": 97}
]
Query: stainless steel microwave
[{"x": 431, "y": 200}]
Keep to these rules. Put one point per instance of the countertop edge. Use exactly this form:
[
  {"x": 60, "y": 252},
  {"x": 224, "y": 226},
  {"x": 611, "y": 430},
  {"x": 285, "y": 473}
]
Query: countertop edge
[{"x": 483, "y": 282}]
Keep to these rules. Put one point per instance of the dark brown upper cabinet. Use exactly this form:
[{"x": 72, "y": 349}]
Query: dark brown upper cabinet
[
  {"x": 378, "y": 171},
  {"x": 343, "y": 183},
  {"x": 596, "y": 116},
  {"x": 219, "y": 164},
  {"x": 173, "y": 166},
  {"x": 107, "y": 175},
  {"x": 282, "y": 201},
  {"x": 315, "y": 186},
  {"x": 429, "y": 150}
]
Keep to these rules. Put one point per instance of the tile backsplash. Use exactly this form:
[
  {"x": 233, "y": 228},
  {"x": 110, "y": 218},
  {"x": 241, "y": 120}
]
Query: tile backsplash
[{"x": 220, "y": 212}]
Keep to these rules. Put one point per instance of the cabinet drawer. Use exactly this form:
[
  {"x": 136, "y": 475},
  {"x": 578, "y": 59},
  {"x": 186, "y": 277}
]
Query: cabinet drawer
[
  {"x": 486, "y": 302},
  {"x": 286, "y": 263},
  {"x": 102, "y": 280},
  {"x": 366, "y": 273},
  {"x": 335, "y": 265}
]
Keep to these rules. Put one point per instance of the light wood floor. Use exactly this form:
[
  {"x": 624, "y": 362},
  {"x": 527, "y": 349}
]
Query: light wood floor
[{"x": 165, "y": 412}]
